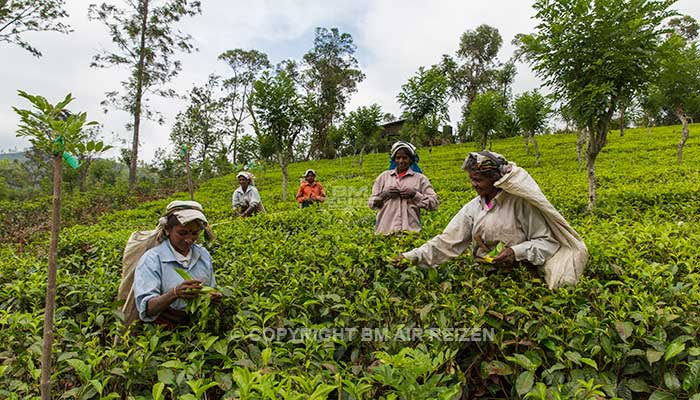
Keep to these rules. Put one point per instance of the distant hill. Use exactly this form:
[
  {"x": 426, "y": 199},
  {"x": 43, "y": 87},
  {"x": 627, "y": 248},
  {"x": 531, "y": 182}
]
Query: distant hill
[{"x": 13, "y": 156}]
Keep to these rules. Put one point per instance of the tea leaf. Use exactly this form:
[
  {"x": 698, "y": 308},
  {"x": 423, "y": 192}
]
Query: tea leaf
[
  {"x": 524, "y": 382},
  {"x": 658, "y": 395},
  {"x": 672, "y": 382},
  {"x": 637, "y": 385},
  {"x": 653, "y": 355},
  {"x": 184, "y": 274},
  {"x": 624, "y": 329},
  {"x": 496, "y": 368},
  {"x": 673, "y": 350}
]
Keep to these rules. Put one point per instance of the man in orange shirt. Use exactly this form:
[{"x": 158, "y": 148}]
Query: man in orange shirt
[{"x": 310, "y": 191}]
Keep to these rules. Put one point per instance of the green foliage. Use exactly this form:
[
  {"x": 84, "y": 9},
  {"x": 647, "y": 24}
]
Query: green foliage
[
  {"x": 679, "y": 75},
  {"x": 145, "y": 41},
  {"x": 565, "y": 50},
  {"x": 486, "y": 115},
  {"x": 628, "y": 330},
  {"x": 281, "y": 116},
  {"x": 246, "y": 67},
  {"x": 51, "y": 128},
  {"x": 478, "y": 69},
  {"x": 331, "y": 74},
  {"x": 424, "y": 102},
  {"x": 362, "y": 130},
  {"x": 18, "y": 17},
  {"x": 532, "y": 110},
  {"x": 199, "y": 127}
]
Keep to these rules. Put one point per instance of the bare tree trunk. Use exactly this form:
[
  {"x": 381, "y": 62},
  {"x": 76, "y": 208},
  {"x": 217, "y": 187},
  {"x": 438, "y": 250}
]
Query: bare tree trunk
[
  {"x": 648, "y": 128},
  {"x": 622, "y": 120},
  {"x": 597, "y": 138},
  {"x": 284, "y": 157},
  {"x": 684, "y": 137},
  {"x": 139, "y": 95},
  {"x": 83, "y": 174},
  {"x": 362, "y": 157},
  {"x": 527, "y": 143},
  {"x": 483, "y": 141},
  {"x": 190, "y": 186},
  {"x": 579, "y": 147},
  {"x": 47, "y": 344},
  {"x": 590, "y": 168},
  {"x": 537, "y": 150}
]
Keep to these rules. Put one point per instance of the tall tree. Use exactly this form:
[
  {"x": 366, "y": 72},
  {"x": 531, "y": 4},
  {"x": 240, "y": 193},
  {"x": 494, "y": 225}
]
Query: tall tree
[
  {"x": 54, "y": 130},
  {"x": 86, "y": 152},
  {"x": 18, "y": 17},
  {"x": 246, "y": 66},
  {"x": 476, "y": 67},
  {"x": 363, "y": 127},
  {"x": 679, "y": 80},
  {"x": 145, "y": 42},
  {"x": 331, "y": 75},
  {"x": 504, "y": 78},
  {"x": 424, "y": 102},
  {"x": 486, "y": 115},
  {"x": 651, "y": 102},
  {"x": 280, "y": 112},
  {"x": 532, "y": 110},
  {"x": 593, "y": 54},
  {"x": 199, "y": 126}
]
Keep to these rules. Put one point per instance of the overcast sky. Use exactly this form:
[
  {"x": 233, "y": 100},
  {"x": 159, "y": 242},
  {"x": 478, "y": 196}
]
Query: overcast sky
[{"x": 393, "y": 38}]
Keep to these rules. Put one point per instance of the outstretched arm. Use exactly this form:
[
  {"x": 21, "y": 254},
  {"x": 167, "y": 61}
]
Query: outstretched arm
[{"x": 452, "y": 242}]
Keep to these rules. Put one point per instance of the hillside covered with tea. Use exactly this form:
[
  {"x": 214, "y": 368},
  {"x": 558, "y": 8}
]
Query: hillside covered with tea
[{"x": 313, "y": 308}]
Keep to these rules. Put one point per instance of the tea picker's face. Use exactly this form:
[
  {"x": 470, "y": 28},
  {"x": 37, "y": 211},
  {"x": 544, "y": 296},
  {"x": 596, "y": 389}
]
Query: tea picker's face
[
  {"x": 482, "y": 184},
  {"x": 243, "y": 182},
  {"x": 182, "y": 237},
  {"x": 403, "y": 160},
  {"x": 310, "y": 178}
]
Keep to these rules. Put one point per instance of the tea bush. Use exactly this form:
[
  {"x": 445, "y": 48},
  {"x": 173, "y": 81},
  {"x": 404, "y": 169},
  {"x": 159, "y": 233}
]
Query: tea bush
[{"x": 628, "y": 330}]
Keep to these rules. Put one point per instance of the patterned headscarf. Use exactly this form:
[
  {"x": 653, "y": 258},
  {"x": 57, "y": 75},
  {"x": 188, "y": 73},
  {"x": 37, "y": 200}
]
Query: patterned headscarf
[
  {"x": 486, "y": 161},
  {"x": 411, "y": 151}
]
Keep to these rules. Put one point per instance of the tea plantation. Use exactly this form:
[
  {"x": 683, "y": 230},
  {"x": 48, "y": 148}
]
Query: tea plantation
[{"x": 313, "y": 309}]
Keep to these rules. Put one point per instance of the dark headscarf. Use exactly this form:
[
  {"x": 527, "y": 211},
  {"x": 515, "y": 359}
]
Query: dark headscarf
[{"x": 486, "y": 162}]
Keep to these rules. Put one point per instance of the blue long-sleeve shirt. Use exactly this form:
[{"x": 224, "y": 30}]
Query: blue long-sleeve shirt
[{"x": 155, "y": 275}]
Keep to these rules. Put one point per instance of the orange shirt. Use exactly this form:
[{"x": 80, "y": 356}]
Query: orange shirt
[{"x": 306, "y": 191}]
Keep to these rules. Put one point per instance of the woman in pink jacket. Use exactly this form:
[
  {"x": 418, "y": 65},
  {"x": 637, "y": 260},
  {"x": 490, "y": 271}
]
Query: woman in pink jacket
[{"x": 400, "y": 192}]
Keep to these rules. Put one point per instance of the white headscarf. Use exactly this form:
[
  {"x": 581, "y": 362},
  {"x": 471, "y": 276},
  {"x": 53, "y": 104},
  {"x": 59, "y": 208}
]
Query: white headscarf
[
  {"x": 249, "y": 176},
  {"x": 185, "y": 211},
  {"x": 403, "y": 145}
]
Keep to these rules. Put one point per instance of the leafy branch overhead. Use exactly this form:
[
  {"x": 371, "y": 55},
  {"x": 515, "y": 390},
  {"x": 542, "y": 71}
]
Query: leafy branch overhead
[
  {"x": 51, "y": 128},
  {"x": 18, "y": 17}
]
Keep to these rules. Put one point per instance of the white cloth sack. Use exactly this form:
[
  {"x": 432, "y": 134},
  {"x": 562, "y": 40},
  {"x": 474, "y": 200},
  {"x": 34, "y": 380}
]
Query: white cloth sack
[
  {"x": 566, "y": 266},
  {"x": 138, "y": 243}
]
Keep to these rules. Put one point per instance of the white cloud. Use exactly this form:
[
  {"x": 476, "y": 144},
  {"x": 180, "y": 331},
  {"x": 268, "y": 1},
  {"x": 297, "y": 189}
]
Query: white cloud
[{"x": 393, "y": 37}]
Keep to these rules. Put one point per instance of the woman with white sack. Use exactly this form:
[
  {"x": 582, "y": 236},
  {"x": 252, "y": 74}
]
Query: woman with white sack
[
  {"x": 510, "y": 217},
  {"x": 150, "y": 287}
]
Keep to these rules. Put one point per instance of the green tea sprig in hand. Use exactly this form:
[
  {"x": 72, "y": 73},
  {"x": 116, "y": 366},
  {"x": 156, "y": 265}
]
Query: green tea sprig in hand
[
  {"x": 494, "y": 252},
  {"x": 198, "y": 301}
]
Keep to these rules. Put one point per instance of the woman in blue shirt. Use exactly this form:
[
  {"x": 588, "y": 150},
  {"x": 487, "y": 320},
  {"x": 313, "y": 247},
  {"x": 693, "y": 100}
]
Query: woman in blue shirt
[{"x": 160, "y": 292}]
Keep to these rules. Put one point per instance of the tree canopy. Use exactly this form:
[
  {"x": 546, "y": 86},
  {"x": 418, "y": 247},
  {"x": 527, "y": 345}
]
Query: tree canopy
[
  {"x": 18, "y": 17},
  {"x": 592, "y": 60}
]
